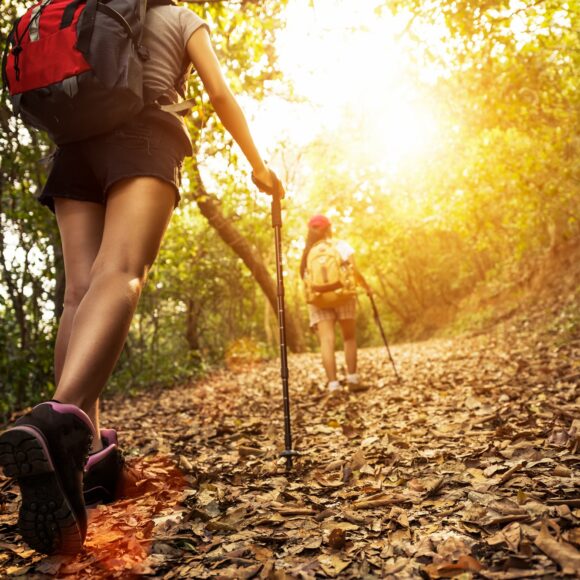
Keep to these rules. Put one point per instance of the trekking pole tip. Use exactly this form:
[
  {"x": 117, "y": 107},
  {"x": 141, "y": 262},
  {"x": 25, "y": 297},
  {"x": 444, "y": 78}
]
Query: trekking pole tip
[{"x": 289, "y": 454}]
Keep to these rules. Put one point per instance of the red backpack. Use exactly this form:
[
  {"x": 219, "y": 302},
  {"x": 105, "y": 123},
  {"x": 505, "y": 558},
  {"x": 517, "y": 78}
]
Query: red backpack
[{"x": 74, "y": 68}]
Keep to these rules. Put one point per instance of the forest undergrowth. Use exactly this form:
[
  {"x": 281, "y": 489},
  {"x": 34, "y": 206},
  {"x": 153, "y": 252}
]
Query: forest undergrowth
[{"x": 543, "y": 294}]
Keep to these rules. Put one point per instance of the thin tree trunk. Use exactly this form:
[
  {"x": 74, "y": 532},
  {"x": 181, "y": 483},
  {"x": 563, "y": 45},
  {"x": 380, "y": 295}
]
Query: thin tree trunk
[
  {"x": 191, "y": 334},
  {"x": 210, "y": 209}
]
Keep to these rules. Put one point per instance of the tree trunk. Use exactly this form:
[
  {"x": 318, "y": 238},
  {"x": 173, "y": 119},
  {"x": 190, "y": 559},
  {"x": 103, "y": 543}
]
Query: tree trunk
[
  {"x": 210, "y": 209},
  {"x": 191, "y": 334}
]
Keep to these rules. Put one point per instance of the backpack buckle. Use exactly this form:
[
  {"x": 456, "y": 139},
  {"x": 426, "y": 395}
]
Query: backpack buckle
[{"x": 143, "y": 52}]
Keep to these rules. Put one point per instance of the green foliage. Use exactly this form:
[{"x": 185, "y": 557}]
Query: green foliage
[
  {"x": 502, "y": 188},
  {"x": 28, "y": 254}
]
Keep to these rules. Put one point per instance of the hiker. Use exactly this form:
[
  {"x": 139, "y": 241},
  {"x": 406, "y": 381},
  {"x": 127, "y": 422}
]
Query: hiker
[
  {"x": 113, "y": 195},
  {"x": 330, "y": 275}
]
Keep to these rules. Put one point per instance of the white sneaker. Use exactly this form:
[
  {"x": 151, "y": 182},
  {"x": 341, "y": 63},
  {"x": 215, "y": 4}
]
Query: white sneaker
[
  {"x": 333, "y": 386},
  {"x": 354, "y": 385}
]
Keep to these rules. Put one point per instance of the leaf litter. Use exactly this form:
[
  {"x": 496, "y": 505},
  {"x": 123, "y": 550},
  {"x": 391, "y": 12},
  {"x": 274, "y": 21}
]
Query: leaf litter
[{"x": 468, "y": 469}]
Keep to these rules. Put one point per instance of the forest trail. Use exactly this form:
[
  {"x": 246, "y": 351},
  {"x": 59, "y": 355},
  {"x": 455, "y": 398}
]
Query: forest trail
[{"x": 468, "y": 468}]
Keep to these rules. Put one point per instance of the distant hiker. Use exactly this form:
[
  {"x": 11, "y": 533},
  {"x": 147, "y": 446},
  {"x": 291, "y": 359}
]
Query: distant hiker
[
  {"x": 113, "y": 195},
  {"x": 330, "y": 278}
]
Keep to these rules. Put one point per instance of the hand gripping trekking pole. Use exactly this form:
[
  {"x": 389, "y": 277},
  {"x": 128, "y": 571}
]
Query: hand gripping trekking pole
[
  {"x": 379, "y": 324},
  {"x": 277, "y": 193}
]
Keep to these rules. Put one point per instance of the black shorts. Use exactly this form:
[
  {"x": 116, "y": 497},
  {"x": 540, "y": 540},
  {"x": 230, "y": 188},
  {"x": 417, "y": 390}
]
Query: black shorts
[{"x": 86, "y": 170}]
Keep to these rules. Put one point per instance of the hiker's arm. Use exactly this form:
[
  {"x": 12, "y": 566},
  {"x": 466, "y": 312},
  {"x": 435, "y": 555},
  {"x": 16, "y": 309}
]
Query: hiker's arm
[{"x": 204, "y": 59}]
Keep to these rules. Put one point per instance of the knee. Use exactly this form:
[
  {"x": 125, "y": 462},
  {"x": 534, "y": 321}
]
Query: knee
[
  {"x": 327, "y": 342},
  {"x": 130, "y": 277},
  {"x": 74, "y": 293},
  {"x": 348, "y": 331}
]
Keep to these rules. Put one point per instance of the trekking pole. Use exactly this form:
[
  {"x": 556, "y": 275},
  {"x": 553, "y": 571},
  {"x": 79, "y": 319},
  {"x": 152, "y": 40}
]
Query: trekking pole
[
  {"x": 277, "y": 193},
  {"x": 378, "y": 321}
]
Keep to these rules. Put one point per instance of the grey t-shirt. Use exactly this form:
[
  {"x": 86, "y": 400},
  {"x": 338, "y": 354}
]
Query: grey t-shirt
[{"x": 166, "y": 33}]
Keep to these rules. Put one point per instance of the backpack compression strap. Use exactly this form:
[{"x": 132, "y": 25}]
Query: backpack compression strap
[{"x": 182, "y": 108}]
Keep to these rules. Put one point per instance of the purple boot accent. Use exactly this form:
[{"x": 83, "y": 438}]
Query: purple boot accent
[
  {"x": 94, "y": 458},
  {"x": 103, "y": 471},
  {"x": 109, "y": 436},
  {"x": 64, "y": 408},
  {"x": 46, "y": 451}
]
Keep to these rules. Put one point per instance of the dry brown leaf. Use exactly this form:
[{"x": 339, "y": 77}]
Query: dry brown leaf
[
  {"x": 566, "y": 555},
  {"x": 337, "y": 538},
  {"x": 371, "y": 473},
  {"x": 451, "y": 569}
]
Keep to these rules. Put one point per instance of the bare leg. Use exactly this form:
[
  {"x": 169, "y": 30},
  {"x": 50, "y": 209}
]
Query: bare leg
[
  {"x": 137, "y": 213},
  {"x": 325, "y": 329},
  {"x": 348, "y": 328},
  {"x": 81, "y": 230}
]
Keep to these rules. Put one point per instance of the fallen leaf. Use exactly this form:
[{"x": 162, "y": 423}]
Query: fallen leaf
[{"x": 566, "y": 555}]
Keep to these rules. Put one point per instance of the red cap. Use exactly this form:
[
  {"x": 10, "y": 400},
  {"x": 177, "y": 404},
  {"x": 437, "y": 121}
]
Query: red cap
[{"x": 319, "y": 221}]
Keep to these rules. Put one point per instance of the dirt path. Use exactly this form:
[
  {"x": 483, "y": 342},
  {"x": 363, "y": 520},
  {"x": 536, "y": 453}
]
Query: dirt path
[{"x": 469, "y": 468}]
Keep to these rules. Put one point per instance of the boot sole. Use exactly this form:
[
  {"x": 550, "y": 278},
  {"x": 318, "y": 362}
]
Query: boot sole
[{"x": 46, "y": 521}]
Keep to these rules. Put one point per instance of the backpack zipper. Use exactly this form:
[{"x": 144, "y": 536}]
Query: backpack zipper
[{"x": 32, "y": 23}]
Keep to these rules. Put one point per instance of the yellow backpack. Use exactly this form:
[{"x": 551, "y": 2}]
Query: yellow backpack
[{"x": 329, "y": 280}]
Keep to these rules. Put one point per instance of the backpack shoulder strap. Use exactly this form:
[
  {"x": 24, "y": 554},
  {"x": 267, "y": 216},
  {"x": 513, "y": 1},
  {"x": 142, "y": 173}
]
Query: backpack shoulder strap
[{"x": 85, "y": 31}]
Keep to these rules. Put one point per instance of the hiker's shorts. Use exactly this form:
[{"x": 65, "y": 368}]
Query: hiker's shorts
[
  {"x": 86, "y": 170},
  {"x": 346, "y": 311}
]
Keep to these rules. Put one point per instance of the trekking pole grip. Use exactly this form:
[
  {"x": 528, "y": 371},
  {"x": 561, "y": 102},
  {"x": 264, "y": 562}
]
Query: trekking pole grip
[{"x": 276, "y": 190}]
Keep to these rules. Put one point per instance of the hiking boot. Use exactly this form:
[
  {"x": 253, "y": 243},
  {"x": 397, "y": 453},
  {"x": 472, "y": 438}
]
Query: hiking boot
[
  {"x": 357, "y": 387},
  {"x": 46, "y": 451},
  {"x": 333, "y": 386},
  {"x": 354, "y": 384},
  {"x": 103, "y": 472}
]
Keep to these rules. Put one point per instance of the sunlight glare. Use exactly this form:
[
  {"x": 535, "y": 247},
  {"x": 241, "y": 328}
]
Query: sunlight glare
[{"x": 352, "y": 68}]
